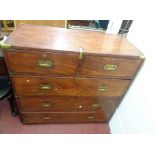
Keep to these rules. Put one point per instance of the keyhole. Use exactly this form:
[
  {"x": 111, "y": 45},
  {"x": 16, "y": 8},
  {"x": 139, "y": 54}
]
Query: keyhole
[
  {"x": 44, "y": 55},
  {"x": 113, "y": 59}
]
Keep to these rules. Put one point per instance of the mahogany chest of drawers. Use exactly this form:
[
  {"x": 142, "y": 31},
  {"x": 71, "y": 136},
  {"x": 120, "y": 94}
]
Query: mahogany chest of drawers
[{"x": 69, "y": 76}]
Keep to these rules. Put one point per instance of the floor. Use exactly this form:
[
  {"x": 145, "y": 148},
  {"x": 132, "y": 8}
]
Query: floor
[{"x": 12, "y": 125}]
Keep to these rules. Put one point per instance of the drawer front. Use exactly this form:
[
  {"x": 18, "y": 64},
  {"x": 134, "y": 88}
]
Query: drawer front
[
  {"x": 42, "y": 63},
  {"x": 54, "y": 86},
  {"x": 109, "y": 67},
  {"x": 31, "y": 118},
  {"x": 67, "y": 104},
  {"x": 45, "y": 86},
  {"x": 104, "y": 87}
]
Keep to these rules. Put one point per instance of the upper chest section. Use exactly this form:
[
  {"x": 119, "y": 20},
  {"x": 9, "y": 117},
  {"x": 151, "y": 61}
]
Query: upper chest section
[
  {"x": 56, "y": 51},
  {"x": 43, "y": 38}
]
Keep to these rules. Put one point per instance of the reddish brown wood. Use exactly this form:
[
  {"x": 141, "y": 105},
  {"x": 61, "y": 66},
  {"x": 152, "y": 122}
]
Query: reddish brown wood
[
  {"x": 74, "y": 82},
  {"x": 27, "y": 62},
  {"x": 69, "y": 41},
  {"x": 115, "y": 87},
  {"x": 31, "y": 118},
  {"x": 30, "y": 86},
  {"x": 67, "y": 104},
  {"x": 94, "y": 67}
]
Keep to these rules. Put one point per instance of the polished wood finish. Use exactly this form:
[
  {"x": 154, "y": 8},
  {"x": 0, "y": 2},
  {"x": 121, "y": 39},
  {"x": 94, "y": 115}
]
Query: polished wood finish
[
  {"x": 115, "y": 87},
  {"x": 67, "y": 104},
  {"x": 55, "y": 83},
  {"x": 95, "y": 67},
  {"x": 30, "y": 86},
  {"x": 3, "y": 69},
  {"x": 66, "y": 40},
  {"x": 27, "y": 62},
  {"x": 31, "y": 118}
]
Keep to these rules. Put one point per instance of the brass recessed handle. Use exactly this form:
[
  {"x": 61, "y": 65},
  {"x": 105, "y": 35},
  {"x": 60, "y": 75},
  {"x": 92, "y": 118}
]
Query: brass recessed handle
[
  {"x": 95, "y": 105},
  {"x": 102, "y": 88},
  {"x": 45, "y": 63},
  {"x": 46, "y": 118},
  {"x": 47, "y": 105},
  {"x": 90, "y": 117},
  {"x": 110, "y": 67},
  {"x": 45, "y": 87}
]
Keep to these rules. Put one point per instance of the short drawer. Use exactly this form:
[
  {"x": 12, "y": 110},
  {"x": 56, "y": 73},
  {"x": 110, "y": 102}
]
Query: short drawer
[
  {"x": 45, "y": 86},
  {"x": 56, "y": 86},
  {"x": 67, "y": 104},
  {"x": 99, "y": 66},
  {"x": 43, "y": 63},
  {"x": 104, "y": 87},
  {"x": 36, "y": 118}
]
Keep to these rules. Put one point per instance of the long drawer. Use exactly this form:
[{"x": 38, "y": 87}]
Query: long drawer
[
  {"x": 59, "y": 86},
  {"x": 31, "y": 118},
  {"x": 67, "y": 104},
  {"x": 43, "y": 63}
]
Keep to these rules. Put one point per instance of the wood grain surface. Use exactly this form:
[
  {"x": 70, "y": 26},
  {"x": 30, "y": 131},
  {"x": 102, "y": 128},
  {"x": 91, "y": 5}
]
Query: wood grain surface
[
  {"x": 27, "y": 62},
  {"x": 46, "y": 38},
  {"x": 62, "y": 86}
]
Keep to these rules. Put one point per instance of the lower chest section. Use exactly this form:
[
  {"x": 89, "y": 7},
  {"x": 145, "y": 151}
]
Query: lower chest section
[
  {"x": 49, "y": 90},
  {"x": 67, "y": 100},
  {"x": 66, "y": 109}
]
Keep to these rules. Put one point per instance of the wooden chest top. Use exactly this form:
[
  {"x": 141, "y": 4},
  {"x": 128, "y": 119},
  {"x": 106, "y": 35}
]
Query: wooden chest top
[{"x": 45, "y": 38}]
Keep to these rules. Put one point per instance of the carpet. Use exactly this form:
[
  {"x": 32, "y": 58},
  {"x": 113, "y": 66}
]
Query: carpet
[{"x": 12, "y": 125}]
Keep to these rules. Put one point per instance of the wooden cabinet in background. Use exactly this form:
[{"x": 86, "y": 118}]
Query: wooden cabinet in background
[
  {"x": 9, "y": 25},
  {"x": 52, "y": 23}
]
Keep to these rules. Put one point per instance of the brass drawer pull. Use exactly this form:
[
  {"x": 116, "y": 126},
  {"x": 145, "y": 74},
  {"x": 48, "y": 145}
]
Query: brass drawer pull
[
  {"x": 46, "y": 105},
  {"x": 45, "y": 64},
  {"x": 90, "y": 117},
  {"x": 95, "y": 105},
  {"x": 46, "y": 118},
  {"x": 102, "y": 88},
  {"x": 110, "y": 67},
  {"x": 45, "y": 87}
]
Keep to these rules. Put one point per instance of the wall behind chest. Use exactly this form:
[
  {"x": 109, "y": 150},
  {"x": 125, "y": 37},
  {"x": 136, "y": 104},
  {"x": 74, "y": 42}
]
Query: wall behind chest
[{"x": 136, "y": 113}]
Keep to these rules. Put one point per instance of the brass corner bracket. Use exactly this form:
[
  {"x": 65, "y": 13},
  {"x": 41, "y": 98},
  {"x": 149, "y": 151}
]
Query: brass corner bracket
[
  {"x": 4, "y": 46},
  {"x": 81, "y": 53},
  {"x": 142, "y": 56}
]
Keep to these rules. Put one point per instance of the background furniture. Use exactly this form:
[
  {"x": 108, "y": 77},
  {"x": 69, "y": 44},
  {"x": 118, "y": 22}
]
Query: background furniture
[
  {"x": 70, "y": 76},
  {"x": 3, "y": 69},
  {"x": 5, "y": 86},
  {"x": 7, "y": 93},
  {"x": 9, "y": 25}
]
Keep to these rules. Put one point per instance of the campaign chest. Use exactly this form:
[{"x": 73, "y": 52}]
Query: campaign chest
[{"x": 69, "y": 76}]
